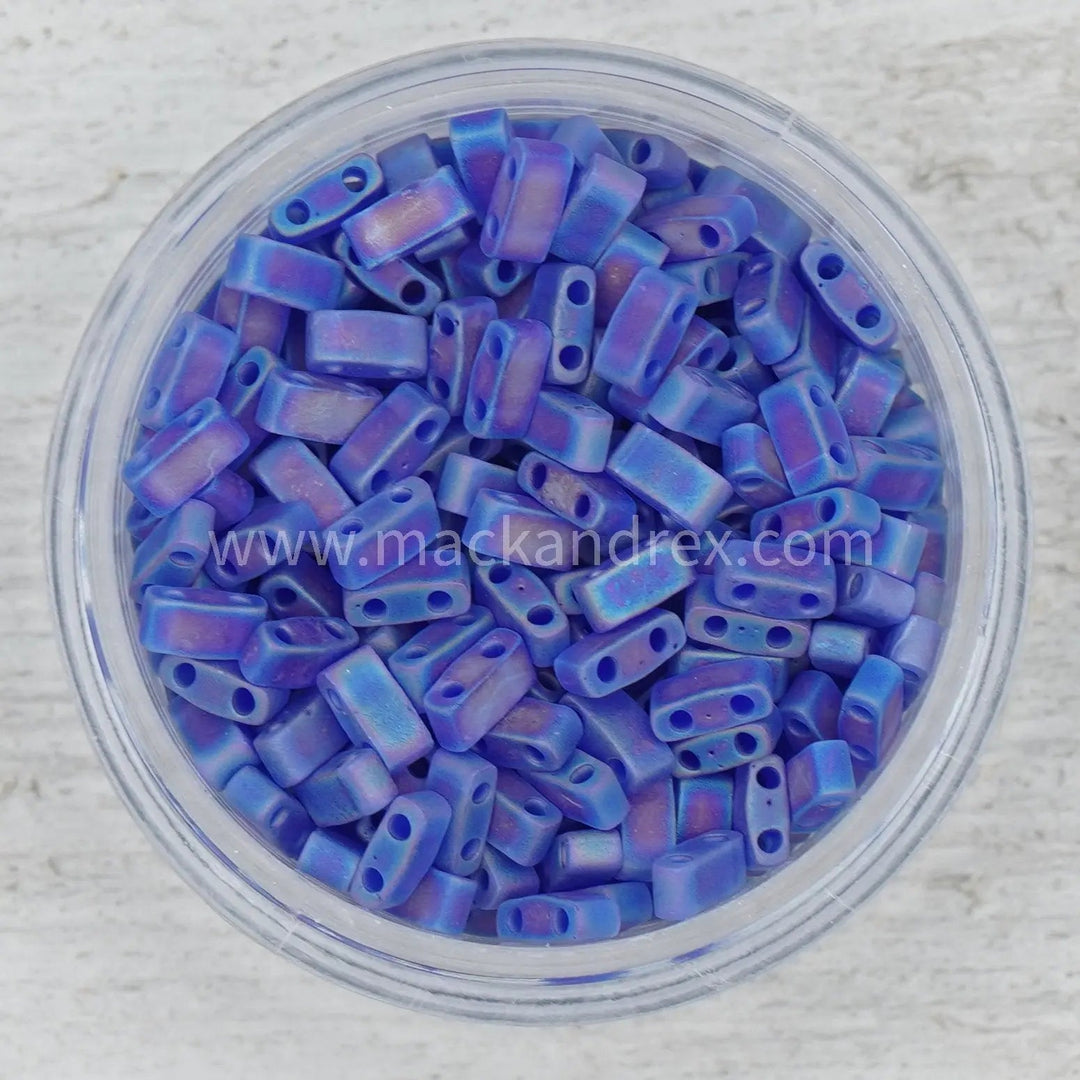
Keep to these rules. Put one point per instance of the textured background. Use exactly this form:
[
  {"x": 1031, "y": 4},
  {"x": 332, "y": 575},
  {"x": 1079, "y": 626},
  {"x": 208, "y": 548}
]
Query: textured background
[{"x": 965, "y": 965}]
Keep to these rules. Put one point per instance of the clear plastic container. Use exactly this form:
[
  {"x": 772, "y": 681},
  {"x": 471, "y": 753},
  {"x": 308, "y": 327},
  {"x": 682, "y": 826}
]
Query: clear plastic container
[{"x": 172, "y": 266}]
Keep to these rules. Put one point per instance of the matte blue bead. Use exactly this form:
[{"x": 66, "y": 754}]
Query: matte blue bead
[
  {"x": 456, "y": 440},
  {"x": 762, "y": 812},
  {"x": 288, "y": 275},
  {"x": 839, "y": 647},
  {"x": 386, "y": 640},
  {"x": 699, "y": 403},
  {"x": 399, "y": 283},
  {"x": 534, "y": 734},
  {"x": 584, "y": 137},
  {"x": 703, "y": 804},
  {"x": 548, "y": 687},
  {"x": 390, "y": 442},
  {"x": 779, "y": 228},
  {"x": 464, "y": 477},
  {"x": 408, "y": 219},
  {"x": 644, "y": 331},
  {"x": 633, "y": 899},
  {"x": 601, "y": 198},
  {"x": 467, "y": 782},
  {"x": 701, "y": 226},
  {"x": 207, "y": 624},
  {"x": 478, "y": 689},
  {"x": 184, "y": 456},
  {"x": 648, "y": 830},
  {"x": 515, "y": 305},
  {"x": 752, "y": 467},
  {"x": 668, "y": 477},
  {"x": 402, "y": 850},
  {"x": 929, "y": 595},
  {"x": 935, "y": 520},
  {"x": 816, "y": 351},
  {"x": 139, "y": 522},
  {"x": 810, "y": 708},
  {"x": 871, "y": 597},
  {"x": 242, "y": 390},
  {"x": 741, "y": 631},
  {"x": 174, "y": 551},
  {"x": 767, "y": 579},
  {"x": 367, "y": 344},
  {"x": 479, "y": 141},
  {"x": 303, "y": 589},
  {"x": 322, "y": 204},
  {"x": 217, "y": 747},
  {"x": 289, "y": 653},
  {"x": 703, "y": 346},
  {"x": 866, "y": 388},
  {"x": 711, "y": 697},
  {"x": 434, "y": 585},
  {"x": 189, "y": 366},
  {"x": 581, "y": 858},
  {"x": 769, "y": 306},
  {"x": 408, "y": 160},
  {"x": 520, "y": 601},
  {"x": 896, "y": 475},
  {"x": 457, "y": 329},
  {"x": 572, "y": 429},
  {"x": 374, "y": 710},
  {"x": 513, "y": 527},
  {"x": 563, "y": 298},
  {"x": 740, "y": 366},
  {"x": 694, "y": 655},
  {"x": 589, "y": 500},
  {"x": 871, "y": 710},
  {"x": 570, "y": 917},
  {"x": 302, "y": 736},
  {"x": 847, "y": 297},
  {"x": 219, "y": 687},
  {"x": 290, "y": 472},
  {"x": 306, "y": 406},
  {"x": 500, "y": 878},
  {"x": 698, "y": 874},
  {"x": 600, "y": 664},
  {"x": 274, "y": 814},
  {"x": 632, "y": 584},
  {"x": 347, "y": 787},
  {"x": 485, "y": 276},
  {"x": 632, "y": 250},
  {"x": 728, "y": 748},
  {"x": 272, "y": 533},
  {"x": 523, "y": 823},
  {"x": 914, "y": 646},
  {"x": 714, "y": 279},
  {"x": 662, "y": 162},
  {"x": 527, "y": 200},
  {"x": 256, "y": 320},
  {"x": 329, "y": 858},
  {"x": 656, "y": 197},
  {"x": 584, "y": 789},
  {"x": 506, "y": 376},
  {"x": 534, "y": 127},
  {"x": 615, "y": 729},
  {"x": 837, "y": 521},
  {"x": 441, "y": 902},
  {"x": 562, "y": 588},
  {"x": 821, "y": 782}
]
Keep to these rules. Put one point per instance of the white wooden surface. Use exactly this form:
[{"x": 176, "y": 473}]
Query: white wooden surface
[{"x": 965, "y": 965}]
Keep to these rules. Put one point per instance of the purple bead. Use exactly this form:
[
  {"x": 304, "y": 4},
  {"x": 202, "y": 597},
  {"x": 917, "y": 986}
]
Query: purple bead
[
  {"x": 242, "y": 389},
  {"x": 810, "y": 708},
  {"x": 871, "y": 710},
  {"x": 821, "y": 782},
  {"x": 568, "y": 917},
  {"x": 402, "y": 285},
  {"x": 581, "y": 858},
  {"x": 457, "y": 329},
  {"x": 779, "y": 228},
  {"x": 913, "y": 645},
  {"x": 584, "y": 789},
  {"x": 703, "y": 804},
  {"x": 217, "y": 747},
  {"x": 489, "y": 276},
  {"x": 699, "y": 403},
  {"x": 713, "y": 279},
  {"x": 290, "y": 653},
  {"x": 589, "y": 500},
  {"x": 534, "y": 734},
  {"x": 367, "y": 344},
  {"x": 305, "y": 588},
  {"x": 441, "y": 902},
  {"x": 328, "y": 858},
  {"x": 434, "y": 585},
  {"x": 500, "y": 878},
  {"x": 275, "y": 816},
  {"x": 896, "y": 548},
  {"x": 520, "y": 601},
  {"x": 322, "y": 204},
  {"x": 711, "y": 697},
  {"x": 768, "y": 579},
  {"x": 272, "y": 533},
  {"x": 839, "y": 521},
  {"x": 866, "y": 387},
  {"x": 816, "y": 351},
  {"x": 662, "y": 162},
  {"x": 287, "y": 275},
  {"x": 347, "y": 787},
  {"x": 231, "y": 497},
  {"x": 256, "y": 320},
  {"x": 506, "y": 377},
  {"x": 467, "y": 782},
  {"x": 309, "y": 407},
  {"x": 648, "y": 830},
  {"x": 563, "y": 298},
  {"x": 175, "y": 550},
  {"x": 219, "y": 687},
  {"x": 695, "y": 656},
  {"x": 572, "y": 429},
  {"x": 839, "y": 647},
  {"x": 898, "y": 476},
  {"x": 741, "y": 631},
  {"x": 740, "y": 366},
  {"x": 762, "y": 812},
  {"x": 728, "y": 748},
  {"x": 752, "y": 467},
  {"x": 464, "y": 477},
  {"x": 601, "y": 198},
  {"x": 302, "y": 736},
  {"x": 701, "y": 226},
  {"x": 703, "y": 346},
  {"x": 523, "y": 823},
  {"x": 205, "y": 624},
  {"x": 456, "y": 440},
  {"x": 915, "y": 425},
  {"x": 929, "y": 595},
  {"x": 698, "y": 874},
  {"x": 769, "y": 308},
  {"x": 871, "y": 597},
  {"x": 585, "y": 138},
  {"x": 632, "y": 250},
  {"x": 479, "y": 141},
  {"x": 516, "y": 528},
  {"x": 290, "y": 472}
]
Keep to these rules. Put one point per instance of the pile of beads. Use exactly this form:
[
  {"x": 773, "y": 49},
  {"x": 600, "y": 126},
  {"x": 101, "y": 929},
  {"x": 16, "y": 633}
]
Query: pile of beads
[{"x": 537, "y": 532}]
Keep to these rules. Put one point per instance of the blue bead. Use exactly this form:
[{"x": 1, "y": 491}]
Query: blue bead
[
  {"x": 663, "y": 163},
  {"x": 434, "y": 585},
  {"x": 478, "y": 689},
  {"x": 256, "y": 320},
  {"x": 648, "y": 830},
  {"x": 139, "y": 522},
  {"x": 644, "y": 331},
  {"x": 402, "y": 850},
  {"x": 520, "y": 601},
  {"x": 506, "y": 376},
  {"x": 810, "y": 708},
  {"x": 484, "y": 276},
  {"x": 711, "y": 697},
  {"x": 584, "y": 789},
  {"x": 838, "y": 648},
  {"x": 386, "y": 640},
  {"x": 322, "y": 204},
  {"x": 584, "y": 137},
  {"x": 701, "y": 226},
  {"x": 703, "y": 804},
  {"x": 440, "y": 902},
  {"x": 286, "y": 274},
  {"x": 217, "y": 747},
  {"x": 184, "y": 456},
  {"x": 728, "y": 748},
  {"x": 400, "y": 283},
  {"x": 572, "y": 917},
  {"x": 752, "y": 467},
  {"x": 457, "y": 329},
  {"x": 218, "y": 687},
  {"x": 500, "y": 878},
  {"x": 913, "y": 644},
  {"x": 390, "y": 442},
  {"x": 740, "y": 366},
  {"x": 871, "y": 710},
  {"x": 633, "y": 899},
  {"x": 523, "y": 823},
  {"x": 407, "y": 161},
  {"x": 915, "y": 424},
  {"x": 896, "y": 475},
  {"x": 713, "y": 279},
  {"x": 571, "y": 429},
  {"x": 600, "y": 200},
  {"x": 467, "y": 782},
  {"x": 272, "y": 533},
  {"x": 693, "y": 656},
  {"x": 290, "y": 472},
  {"x": 464, "y": 477},
  {"x": 562, "y": 587},
  {"x": 699, "y": 403},
  {"x": 513, "y": 527},
  {"x": 929, "y": 595},
  {"x": 174, "y": 551},
  {"x": 767, "y": 579},
  {"x": 779, "y": 228},
  {"x": 301, "y": 737},
  {"x": 456, "y": 440},
  {"x": 328, "y": 858},
  {"x": 769, "y": 308},
  {"x": 698, "y": 874},
  {"x": 206, "y": 624},
  {"x": 563, "y": 298},
  {"x": 866, "y": 388},
  {"x": 347, "y": 787},
  {"x": 309, "y": 407},
  {"x": 231, "y": 496},
  {"x": 816, "y": 351},
  {"x": 275, "y": 815},
  {"x": 821, "y": 782},
  {"x": 847, "y": 297},
  {"x": 367, "y": 344},
  {"x": 703, "y": 346},
  {"x": 290, "y": 653},
  {"x": 837, "y": 521},
  {"x": 762, "y": 812},
  {"x": 581, "y": 858},
  {"x": 935, "y": 521},
  {"x": 615, "y": 730},
  {"x": 479, "y": 141},
  {"x": 741, "y": 631},
  {"x": 871, "y": 597},
  {"x": 534, "y": 734},
  {"x": 599, "y": 664},
  {"x": 668, "y": 477},
  {"x": 373, "y": 709},
  {"x": 632, "y": 250},
  {"x": 589, "y": 500},
  {"x": 304, "y": 589},
  {"x": 527, "y": 200}
]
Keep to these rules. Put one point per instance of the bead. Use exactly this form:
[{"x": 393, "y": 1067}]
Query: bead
[
  {"x": 401, "y": 284},
  {"x": 571, "y": 429},
  {"x": 871, "y": 597},
  {"x": 563, "y": 298},
  {"x": 703, "y": 346},
  {"x": 479, "y": 141},
  {"x": 402, "y": 850},
  {"x": 693, "y": 655},
  {"x": 390, "y": 442},
  {"x": 896, "y": 475},
  {"x": 839, "y": 647},
  {"x": 527, "y": 201},
  {"x": 836, "y": 517},
  {"x": 740, "y": 366},
  {"x": 464, "y": 477},
  {"x": 434, "y": 585},
  {"x": 184, "y": 456},
  {"x": 810, "y": 708},
  {"x": 644, "y": 331},
  {"x": 662, "y": 162},
  {"x": 174, "y": 551},
  {"x": 703, "y": 804},
  {"x": 648, "y": 830},
  {"x": 615, "y": 730},
  {"x": 367, "y": 344},
  {"x": 513, "y": 527},
  {"x": 768, "y": 579},
  {"x": 467, "y": 782},
  {"x": 581, "y": 858},
  {"x": 478, "y": 689},
  {"x": 456, "y": 332},
  {"x": 769, "y": 307},
  {"x": 408, "y": 219},
  {"x": 506, "y": 377},
  {"x": 816, "y": 352},
  {"x": 714, "y": 279},
  {"x": 328, "y": 858},
  {"x": 500, "y": 878},
  {"x": 602, "y": 663},
  {"x": 711, "y": 697},
  {"x": 275, "y": 815},
  {"x": 440, "y": 902},
  {"x": 231, "y": 497},
  {"x": 820, "y": 783},
  {"x": 523, "y": 823},
  {"x": 419, "y": 662},
  {"x": 373, "y": 709},
  {"x": 701, "y": 226},
  {"x": 847, "y": 297},
  {"x": 520, "y": 601},
  {"x": 302, "y": 736},
  {"x": 896, "y": 548},
  {"x": 272, "y": 533},
  {"x": 534, "y": 734},
  {"x": 291, "y": 276},
  {"x": 935, "y": 521},
  {"x": 762, "y": 813},
  {"x": 490, "y": 277},
  {"x": 348, "y": 786},
  {"x": 218, "y": 687},
  {"x": 189, "y": 367},
  {"x": 913, "y": 645},
  {"x": 741, "y": 631},
  {"x": 929, "y": 595},
  {"x": 305, "y": 588},
  {"x": 779, "y": 228},
  {"x": 633, "y": 899},
  {"x": 559, "y": 917},
  {"x": 871, "y": 710},
  {"x": 456, "y": 440},
  {"x": 698, "y": 874},
  {"x": 699, "y": 403},
  {"x": 719, "y": 751},
  {"x": 584, "y": 138},
  {"x": 914, "y": 425},
  {"x": 668, "y": 477},
  {"x": 752, "y": 467},
  {"x": 290, "y": 472},
  {"x": 601, "y": 198},
  {"x": 256, "y": 320},
  {"x": 217, "y": 747},
  {"x": 322, "y": 204},
  {"x": 386, "y": 640},
  {"x": 205, "y": 624},
  {"x": 866, "y": 387},
  {"x": 631, "y": 250},
  {"x": 290, "y": 653},
  {"x": 242, "y": 389},
  {"x": 589, "y": 500},
  {"x": 584, "y": 789},
  {"x": 306, "y": 406}
]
